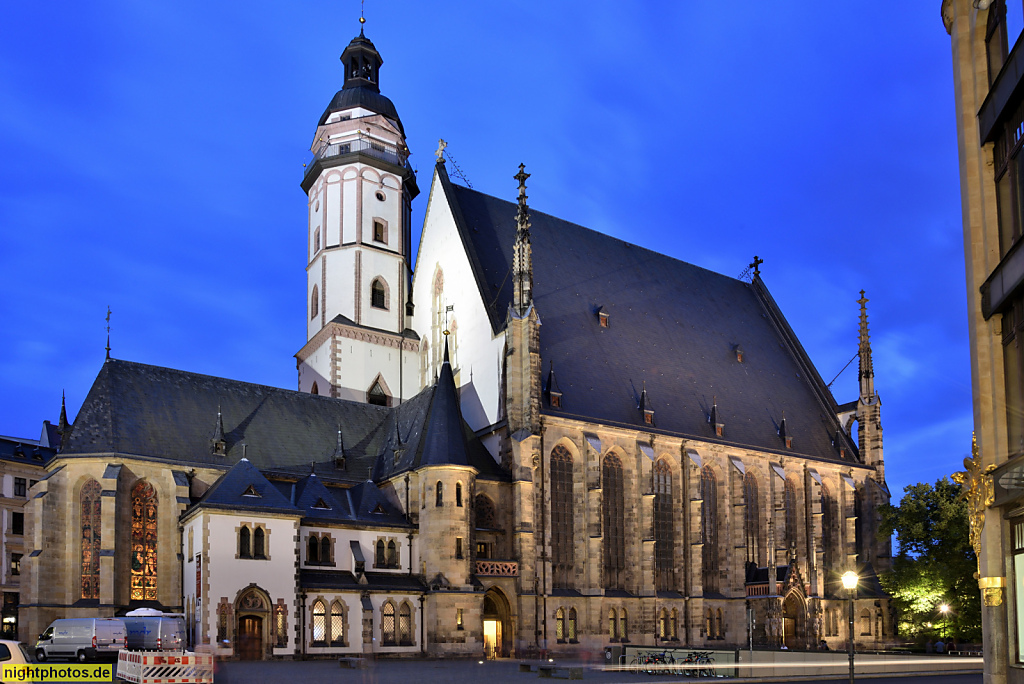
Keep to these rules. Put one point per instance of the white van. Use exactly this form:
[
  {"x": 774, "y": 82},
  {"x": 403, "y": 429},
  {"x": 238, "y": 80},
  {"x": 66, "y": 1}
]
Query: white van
[
  {"x": 154, "y": 632},
  {"x": 81, "y": 639}
]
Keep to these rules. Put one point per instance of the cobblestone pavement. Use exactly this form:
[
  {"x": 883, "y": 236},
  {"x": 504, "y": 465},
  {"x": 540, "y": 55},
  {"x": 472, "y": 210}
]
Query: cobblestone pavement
[{"x": 489, "y": 672}]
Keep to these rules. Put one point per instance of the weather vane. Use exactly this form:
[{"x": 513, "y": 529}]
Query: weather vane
[
  {"x": 362, "y": 6},
  {"x": 447, "y": 309},
  {"x": 108, "y": 333}
]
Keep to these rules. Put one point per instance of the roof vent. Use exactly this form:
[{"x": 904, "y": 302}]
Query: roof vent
[
  {"x": 738, "y": 350},
  {"x": 339, "y": 453},
  {"x": 645, "y": 406},
  {"x": 251, "y": 491},
  {"x": 782, "y": 432},
  {"x": 553, "y": 391},
  {"x": 602, "y": 316},
  {"x": 218, "y": 444},
  {"x": 713, "y": 418},
  {"x": 321, "y": 505}
]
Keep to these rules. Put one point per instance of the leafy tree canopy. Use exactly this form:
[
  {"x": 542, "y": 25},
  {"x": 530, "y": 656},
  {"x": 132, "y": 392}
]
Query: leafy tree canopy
[{"x": 935, "y": 564}]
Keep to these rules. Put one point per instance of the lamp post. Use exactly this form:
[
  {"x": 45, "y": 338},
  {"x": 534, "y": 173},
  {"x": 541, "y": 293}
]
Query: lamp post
[
  {"x": 944, "y": 609},
  {"x": 850, "y": 580}
]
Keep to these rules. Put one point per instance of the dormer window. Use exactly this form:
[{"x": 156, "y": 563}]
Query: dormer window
[
  {"x": 556, "y": 399},
  {"x": 649, "y": 416},
  {"x": 321, "y": 505},
  {"x": 602, "y": 317},
  {"x": 251, "y": 491}
]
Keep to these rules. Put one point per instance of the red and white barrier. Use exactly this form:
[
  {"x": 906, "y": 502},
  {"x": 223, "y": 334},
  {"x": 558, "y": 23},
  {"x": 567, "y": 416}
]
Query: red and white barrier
[{"x": 165, "y": 667}]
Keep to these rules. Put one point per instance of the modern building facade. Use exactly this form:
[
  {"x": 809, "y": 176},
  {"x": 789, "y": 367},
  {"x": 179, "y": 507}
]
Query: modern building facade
[
  {"x": 988, "y": 71},
  {"x": 545, "y": 437}
]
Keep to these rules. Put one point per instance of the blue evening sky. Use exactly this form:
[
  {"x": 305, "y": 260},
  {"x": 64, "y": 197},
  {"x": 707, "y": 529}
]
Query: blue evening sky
[{"x": 152, "y": 152}]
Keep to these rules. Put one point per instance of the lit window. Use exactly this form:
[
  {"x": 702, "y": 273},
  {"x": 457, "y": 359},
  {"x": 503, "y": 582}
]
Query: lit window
[
  {"x": 319, "y": 623},
  {"x": 387, "y": 623},
  {"x": 458, "y": 619}
]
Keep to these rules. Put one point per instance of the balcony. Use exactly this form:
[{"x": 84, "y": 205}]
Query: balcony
[
  {"x": 497, "y": 568},
  {"x": 361, "y": 145},
  {"x": 763, "y": 589}
]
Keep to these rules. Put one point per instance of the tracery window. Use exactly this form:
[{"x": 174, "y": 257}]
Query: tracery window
[
  {"x": 90, "y": 551},
  {"x": 562, "y": 504},
  {"x": 623, "y": 625},
  {"x": 614, "y": 523},
  {"x": 865, "y": 623},
  {"x": 828, "y": 529},
  {"x": 244, "y": 542},
  {"x": 709, "y": 528},
  {"x": 144, "y": 542},
  {"x": 674, "y": 624},
  {"x": 387, "y": 623},
  {"x": 319, "y": 623},
  {"x": 663, "y": 624},
  {"x": 570, "y": 631},
  {"x": 486, "y": 516},
  {"x": 664, "y": 527},
  {"x": 337, "y": 624},
  {"x": 752, "y": 519},
  {"x": 405, "y": 625},
  {"x": 791, "y": 515},
  {"x": 612, "y": 623}
]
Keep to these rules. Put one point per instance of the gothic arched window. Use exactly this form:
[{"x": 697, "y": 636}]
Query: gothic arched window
[
  {"x": 664, "y": 527},
  {"x": 319, "y": 623},
  {"x": 314, "y": 303},
  {"x": 259, "y": 543},
  {"x": 611, "y": 623},
  {"x": 144, "y": 542},
  {"x": 313, "y": 550},
  {"x": 709, "y": 528},
  {"x": 752, "y": 519},
  {"x": 828, "y": 529},
  {"x": 791, "y": 515},
  {"x": 486, "y": 517},
  {"x": 90, "y": 551},
  {"x": 663, "y": 624},
  {"x": 570, "y": 631},
  {"x": 614, "y": 523},
  {"x": 381, "y": 559},
  {"x": 325, "y": 549},
  {"x": 623, "y": 624},
  {"x": 378, "y": 300},
  {"x": 244, "y": 542},
  {"x": 439, "y": 494},
  {"x": 562, "y": 504},
  {"x": 405, "y": 625},
  {"x": 560, "y": 624},
  {"x": 458, "y": 494},
  {"x": 337, "y": 624},
  {"x": 387, "y": 623},
  {"x": 392, "y": 554}
]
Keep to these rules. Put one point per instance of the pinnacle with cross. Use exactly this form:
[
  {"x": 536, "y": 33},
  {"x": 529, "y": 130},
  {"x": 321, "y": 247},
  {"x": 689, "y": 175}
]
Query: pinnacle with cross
[
  {"x": 108, "y": 333},
  {"x": 523, "y": 215},
  {"x": 756, "y": 265}
]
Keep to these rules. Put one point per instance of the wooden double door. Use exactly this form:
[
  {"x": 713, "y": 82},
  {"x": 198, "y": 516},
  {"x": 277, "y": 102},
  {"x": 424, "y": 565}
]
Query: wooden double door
[{"x": 249, "y": 644}]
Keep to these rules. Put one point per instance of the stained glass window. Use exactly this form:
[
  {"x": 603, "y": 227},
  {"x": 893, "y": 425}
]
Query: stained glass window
[
  {"x": 560, "y": 624},
  {"x": 611, "y": 623},
  {"x": 319, "y": 623},
  {"x": 337, "y": 624},
  {"x": 571, "y": 629},
  {"x": 144, "y": 542},
  {"x": 709, "y": 528},
  {"x": 752, "y": 521},
  {"x": 486, "y": 517},
  {"x": 281, "y": 625},
  {"x": 387, "y": 623},
  {"x": 828, "y": 522},
  {"x": 562, "y": 506},
  {"x": 91, "y": 540},
  {"x": 664, "y": 527},
  {"x": 614, "y": 523},
  {"x": 791, "y": 513},
  {"x": 623, "y": 624}
]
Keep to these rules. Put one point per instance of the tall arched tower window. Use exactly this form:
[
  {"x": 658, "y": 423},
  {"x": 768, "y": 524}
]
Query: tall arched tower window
[
  {"x": 614, "y": 523},
  {"x": 791, "y": 515},
  {"x": 314, "y": 303},
  {"x": 90, "y": 551},
  {"x": 664, "y": 526},
  {"x": 378, "y": 294},
  {"x": 752, "y": 519},
  {"x": 144, "y": 542},
  {"x": 709, "y": 528},
  {"x": 828, "y": 529},
  {"x": 561, "y": 517}
]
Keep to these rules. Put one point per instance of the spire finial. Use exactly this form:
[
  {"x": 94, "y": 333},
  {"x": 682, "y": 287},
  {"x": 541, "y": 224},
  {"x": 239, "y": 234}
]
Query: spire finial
[
  {"x": 523, "y": 216},
  {"x": 441, "y": 144},
  {"x": 108, "y": 332},
  {"x": 446, "y": 358},
  {"x": 756, "y": 265},
  {"x": 362, "y": 19},
  {"x": 522, "y": 259}
]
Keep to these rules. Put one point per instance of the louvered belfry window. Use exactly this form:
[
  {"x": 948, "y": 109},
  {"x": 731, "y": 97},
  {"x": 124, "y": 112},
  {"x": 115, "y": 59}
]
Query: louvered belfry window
[
  {"x": 562, "y": 517},
  {"x": 709, "y": 528},
  {"x": 614, "y": 523},
  {"x": 91, "y": 525},
  {"x": 144, "y": 542},
  {"x": 664, "y": 527}
]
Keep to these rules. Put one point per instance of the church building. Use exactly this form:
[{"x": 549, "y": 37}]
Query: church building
[{"x": 541, "y": 437}]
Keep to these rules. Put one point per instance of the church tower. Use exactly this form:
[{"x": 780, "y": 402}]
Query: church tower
[{"x": 359, "y": 188}]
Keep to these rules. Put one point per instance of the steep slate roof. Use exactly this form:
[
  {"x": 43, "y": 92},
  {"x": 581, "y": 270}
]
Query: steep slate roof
[
  {"x": 672, "y": 325},
  {"x": 234, "y": 491},
  {"x": 27, "y": 451},
  {"x": 363, "y": 502}
]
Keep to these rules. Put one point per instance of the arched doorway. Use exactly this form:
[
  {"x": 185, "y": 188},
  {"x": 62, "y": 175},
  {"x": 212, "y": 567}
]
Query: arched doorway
[
  {"x": 793, "y": 622},
  {"x": 251, "y": 635},
  {"x": 497, "y": 625}
]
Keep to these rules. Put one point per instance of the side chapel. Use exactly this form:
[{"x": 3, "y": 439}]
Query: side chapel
[{"x": 544, "y": 437}]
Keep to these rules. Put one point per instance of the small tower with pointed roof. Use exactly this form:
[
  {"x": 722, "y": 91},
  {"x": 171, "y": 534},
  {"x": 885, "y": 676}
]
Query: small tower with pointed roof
[
  {"x": 359, "y": 189},
  {"x": 869, "y": 420}
]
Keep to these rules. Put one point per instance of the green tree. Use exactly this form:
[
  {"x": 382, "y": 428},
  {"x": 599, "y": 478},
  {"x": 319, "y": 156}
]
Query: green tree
[{"x": 934, "y": 565}]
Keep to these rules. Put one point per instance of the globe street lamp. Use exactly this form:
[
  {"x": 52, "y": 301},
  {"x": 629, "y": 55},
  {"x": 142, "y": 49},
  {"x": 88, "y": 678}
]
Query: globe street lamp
[
  {"x": 850, "y": 580},
  {"x": 944, "y": 609}
]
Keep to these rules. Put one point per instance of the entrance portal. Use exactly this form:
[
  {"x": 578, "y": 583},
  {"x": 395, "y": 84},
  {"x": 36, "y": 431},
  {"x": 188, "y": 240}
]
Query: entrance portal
[
  {"x": 250, "y": 638},
  {"x": 492, "y": 638},
  {"x": 793, "y": 622},
  {"x": 497, "y": 625}
]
